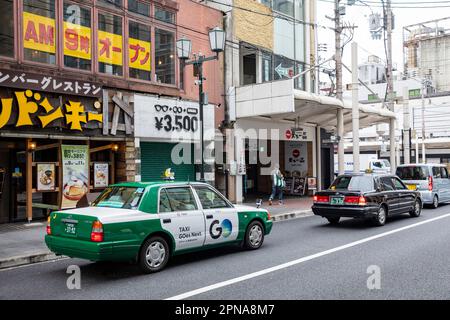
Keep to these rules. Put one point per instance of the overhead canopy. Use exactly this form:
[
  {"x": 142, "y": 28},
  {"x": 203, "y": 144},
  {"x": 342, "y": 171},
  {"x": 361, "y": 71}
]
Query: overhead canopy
[{"x": 280, "y": 101}]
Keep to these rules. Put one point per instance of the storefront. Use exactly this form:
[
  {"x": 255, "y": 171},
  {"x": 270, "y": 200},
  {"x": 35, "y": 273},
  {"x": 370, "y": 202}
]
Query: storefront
[
  {"x": 168, "y": 131},
  {"x": 55, "y": 150},
  {"x": 267, "y": 143}
]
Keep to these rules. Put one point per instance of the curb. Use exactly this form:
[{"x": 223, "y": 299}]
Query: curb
[
  {"x": 28, "y": 259},
  {"x": 292, "y": 215}
]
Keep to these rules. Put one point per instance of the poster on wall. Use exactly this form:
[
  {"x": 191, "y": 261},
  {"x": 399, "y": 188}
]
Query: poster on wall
[
  {"x": 101, "y": 175},
  {"x": 296, "y": 158},
  {"x": 312, "y": 183},
  {"x": 75, "y": 167},
  {"x": 45, "y": 177}
]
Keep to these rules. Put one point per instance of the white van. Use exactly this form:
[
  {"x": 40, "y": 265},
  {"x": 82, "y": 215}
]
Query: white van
[{"x": 431, "y": 180}]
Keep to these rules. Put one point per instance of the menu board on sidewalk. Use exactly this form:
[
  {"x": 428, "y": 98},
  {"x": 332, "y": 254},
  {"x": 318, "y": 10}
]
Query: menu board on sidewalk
[{"x": 299, "y": 186}]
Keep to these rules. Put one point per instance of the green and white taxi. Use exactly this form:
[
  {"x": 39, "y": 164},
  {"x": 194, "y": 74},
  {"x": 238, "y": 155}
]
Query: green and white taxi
[{"x": 149, "y": 222}]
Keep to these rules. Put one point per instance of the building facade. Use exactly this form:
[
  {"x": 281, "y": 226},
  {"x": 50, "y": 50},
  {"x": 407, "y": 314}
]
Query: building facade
[{"x": 75, "y": 76}]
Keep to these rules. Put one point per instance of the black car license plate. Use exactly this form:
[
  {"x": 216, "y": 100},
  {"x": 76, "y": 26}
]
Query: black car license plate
[{"x": 337, "y": 200}]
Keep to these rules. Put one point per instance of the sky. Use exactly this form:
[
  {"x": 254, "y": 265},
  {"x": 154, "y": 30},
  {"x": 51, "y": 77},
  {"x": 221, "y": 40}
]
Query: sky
[{"x": 359, "y": 15}]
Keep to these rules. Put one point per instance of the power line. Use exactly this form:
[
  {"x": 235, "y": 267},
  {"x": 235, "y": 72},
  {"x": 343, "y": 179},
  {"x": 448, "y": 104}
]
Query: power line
[{"x": 401, "y": 5}]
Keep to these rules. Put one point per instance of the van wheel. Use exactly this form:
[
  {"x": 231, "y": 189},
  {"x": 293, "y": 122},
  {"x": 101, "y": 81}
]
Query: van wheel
[
  {"x": 380, "y": 219},
  {"x": 435, "y": 203},
  {"x": 154, "y": 254},
  {"x": 417, "y": 209}
]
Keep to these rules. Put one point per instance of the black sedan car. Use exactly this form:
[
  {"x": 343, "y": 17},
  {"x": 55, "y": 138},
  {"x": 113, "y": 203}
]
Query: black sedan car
[{"x": 366, "y": 196}]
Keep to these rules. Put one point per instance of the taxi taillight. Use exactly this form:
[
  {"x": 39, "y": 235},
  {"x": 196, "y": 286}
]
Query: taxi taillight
[
  {"x": 321, "y": 199},
  {"x": 268, "y": 216},
  {"x": 97, "y": 232},
  {"x": 49, "y": 229}
]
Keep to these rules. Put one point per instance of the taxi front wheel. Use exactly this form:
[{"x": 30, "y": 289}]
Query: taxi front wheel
[
  {"x": 154, "y": 254},
  {"x": 254, "y": 236}
]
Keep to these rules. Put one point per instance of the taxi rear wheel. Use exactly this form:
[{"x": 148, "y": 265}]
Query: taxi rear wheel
[
  {"x": 254, "y": 236},
  {"x": 154, "y": 254}
]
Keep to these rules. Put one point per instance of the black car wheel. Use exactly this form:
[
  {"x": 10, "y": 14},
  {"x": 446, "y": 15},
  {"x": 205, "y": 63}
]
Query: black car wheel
[
  {"x": 380, "y": 219},
  {"x": 417, "y": 209},
  {"x": 333, "y": 220},
  {"x": 154, "y": 254}
]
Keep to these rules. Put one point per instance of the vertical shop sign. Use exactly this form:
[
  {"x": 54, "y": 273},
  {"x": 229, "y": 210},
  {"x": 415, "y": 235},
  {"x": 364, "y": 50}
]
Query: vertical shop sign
[{"x": 75, "y": 167}]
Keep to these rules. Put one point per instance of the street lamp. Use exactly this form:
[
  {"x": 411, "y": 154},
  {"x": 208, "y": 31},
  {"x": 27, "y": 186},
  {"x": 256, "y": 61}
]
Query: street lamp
[{"x": 184, "y": 47}]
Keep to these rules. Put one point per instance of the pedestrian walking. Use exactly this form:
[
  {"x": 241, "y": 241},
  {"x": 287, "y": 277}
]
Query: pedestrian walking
[{"x": 278, "y": 184}]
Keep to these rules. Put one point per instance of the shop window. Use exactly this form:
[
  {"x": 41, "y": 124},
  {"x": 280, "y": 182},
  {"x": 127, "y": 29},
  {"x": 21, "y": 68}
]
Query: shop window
[
  {"x": 39, "y": 31},
  {"x": 139, "y": 44},
  {"x": 110, "y": 44},
  {"x": 139, "y": 7},
  {"x": 164, "y": 15},
  {"x": 77, "y": 36},
  {"x": 7, "y": 28},
  {"x": 165, "y": 56}
]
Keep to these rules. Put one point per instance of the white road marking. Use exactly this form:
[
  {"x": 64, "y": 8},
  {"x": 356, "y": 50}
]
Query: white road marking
[{"x": 298, "y": 261}]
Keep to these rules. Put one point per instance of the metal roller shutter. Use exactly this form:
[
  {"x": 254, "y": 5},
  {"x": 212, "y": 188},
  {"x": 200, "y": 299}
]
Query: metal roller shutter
[{"x": 156, "y": 157}]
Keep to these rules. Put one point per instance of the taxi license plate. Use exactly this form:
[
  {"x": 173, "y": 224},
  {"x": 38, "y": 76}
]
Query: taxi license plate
[
  {"x": 337, "y": 200},
  {"x": 70, "y": 228},
  {"x": 411, "y": 187}
]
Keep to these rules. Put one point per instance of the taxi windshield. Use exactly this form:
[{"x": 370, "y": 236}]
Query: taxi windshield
[{"x": 119, "y": 197}]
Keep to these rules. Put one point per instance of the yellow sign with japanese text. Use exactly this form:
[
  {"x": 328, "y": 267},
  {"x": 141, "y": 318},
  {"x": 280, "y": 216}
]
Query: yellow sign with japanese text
[
  {"x": 77, "y": 41},
  {"x": 139, "y": 54},
  {"x": 110, "y": 48},
  {"x": 39, "y": 33},
  {"x": 31, "y": 104}
]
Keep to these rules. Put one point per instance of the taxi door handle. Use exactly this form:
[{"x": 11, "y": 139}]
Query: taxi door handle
[
  {"x": 167, "y": 220},
  {"x": 209, "y": 216}
]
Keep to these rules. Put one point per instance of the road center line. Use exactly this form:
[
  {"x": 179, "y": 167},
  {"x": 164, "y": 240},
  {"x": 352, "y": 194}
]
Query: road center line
[{"x": 298, "y": 261}]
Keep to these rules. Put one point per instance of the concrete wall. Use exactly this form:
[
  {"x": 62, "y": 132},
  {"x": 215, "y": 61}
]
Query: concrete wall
[{"x": 251, "y": 27}]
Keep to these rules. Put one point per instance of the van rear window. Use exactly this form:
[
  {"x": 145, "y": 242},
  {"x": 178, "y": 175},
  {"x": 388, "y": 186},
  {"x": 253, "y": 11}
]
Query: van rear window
[{"x": 412, "y": 173}]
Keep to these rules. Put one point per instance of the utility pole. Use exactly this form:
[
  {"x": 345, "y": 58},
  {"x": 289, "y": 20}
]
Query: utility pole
[
  {"x": 338, "y": 59},
  {"x": 355, "y": 108},
  {"x": 390, "y": 84},
  {"x": 424, "y": 87},
  {"x": 406, "y": 127}
]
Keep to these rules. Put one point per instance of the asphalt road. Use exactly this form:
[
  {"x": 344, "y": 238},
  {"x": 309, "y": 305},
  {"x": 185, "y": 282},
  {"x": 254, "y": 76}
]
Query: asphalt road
[{"x": 301, "y": 259}]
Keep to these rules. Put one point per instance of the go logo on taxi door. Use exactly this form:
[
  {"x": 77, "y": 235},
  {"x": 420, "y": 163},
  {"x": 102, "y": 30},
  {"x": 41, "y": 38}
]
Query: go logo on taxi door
[{"x": 217, "y": 229}]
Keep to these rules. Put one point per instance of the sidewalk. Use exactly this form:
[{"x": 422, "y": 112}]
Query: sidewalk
[
  {"x": 292, "y": 207},
  {"x": 23, "y": 243}
]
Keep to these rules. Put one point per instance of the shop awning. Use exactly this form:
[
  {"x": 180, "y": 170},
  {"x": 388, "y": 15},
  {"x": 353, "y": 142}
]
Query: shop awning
[{"x": 280, "y": 101}]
